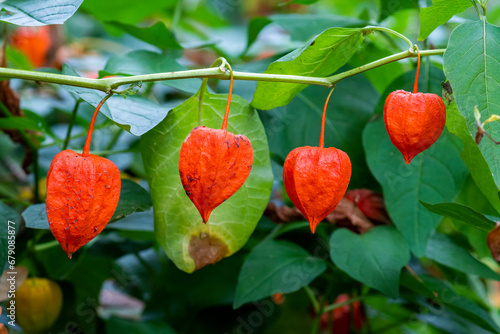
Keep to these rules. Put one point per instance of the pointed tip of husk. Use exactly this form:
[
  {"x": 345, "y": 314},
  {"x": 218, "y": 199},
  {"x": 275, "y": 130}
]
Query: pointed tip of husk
[{"x": 313, "y": 225}]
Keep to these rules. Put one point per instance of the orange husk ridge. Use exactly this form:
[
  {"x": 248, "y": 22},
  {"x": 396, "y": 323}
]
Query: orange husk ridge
[
  {"x": 414, "y": 121},
  {"x": 214, "y": 164},
  {"x": 316, "y": 178},
  {"x": 82, "y": 194}
]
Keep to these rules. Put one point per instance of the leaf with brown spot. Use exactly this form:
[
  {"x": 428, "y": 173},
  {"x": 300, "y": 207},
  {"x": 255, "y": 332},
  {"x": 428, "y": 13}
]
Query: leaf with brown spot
[{"x": 178, "y": 223}]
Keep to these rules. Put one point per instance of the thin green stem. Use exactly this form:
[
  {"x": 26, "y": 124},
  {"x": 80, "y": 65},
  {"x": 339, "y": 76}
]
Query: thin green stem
[
  {"x": 312, "y": 297},
  {"x": 116, "y": 135},
  {"x": 483, "y": 6},
  {"x": 377, "y": 63},
  {"x": 71, "y": 123},
  {"x": 317, "y": 320},
  {"x": 476, "y": 8},
  {"x": 332, "y": 307},
  {"x": 216, "y": 72},
  {"x": 390, "y": 31}
]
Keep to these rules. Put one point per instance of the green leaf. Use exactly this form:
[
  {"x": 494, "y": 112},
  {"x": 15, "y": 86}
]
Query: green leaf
[
  {"x": 374, "y": 258},
  {"x": 10, "y": 224},
  {"x": 383, "y": 76},
  {"x": 35, "y": 216},
  {"x": 389, "y": 8},
  {"x": 126, "y": 11},
  {"x": 133, "y": 198},
  {"x": 157, "y": 34},
  {"x": 300, "y": 26},
  {"x": 320, "y": 56},
  {"x": 303, "y": 26},
  {"x": 19, "y": 123},
  {"x": 37, "y": 13},
  {"x": 462, "y": 213},
  {"x": 428, "y": 178},
  {"x": 136, "y": 114},
  {"x": 147, "y": 62},
  {"x": 439, "y": 13},
  {"x": 178, "y": 225},
  {"x": 255, "y": 26},
  {"x": 275, "y": 267},
  {"x": 450, "y": 299},
  {"x": 472, "y": 156},
  {"x": 442, "y": 250},
  {"x": 471, "y": 64},
  {"x": 299, "y": 123},
  {"x": 119, "y": 326},
  {"x": 429, "y": 81},
  {"x": 471, "y": 196}
]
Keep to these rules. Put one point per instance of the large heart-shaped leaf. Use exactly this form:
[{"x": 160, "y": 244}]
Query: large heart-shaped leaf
[
  {"x": 472, "y": 66},
  {"x": 320, "y": 56},
  {"x": 442, "y": 250},
  {"x": 428, "y": 178},
  {"x": 38, "y": 13},
  {"x": 147, "y": 62},
  {"x": 439, "y": 13},
  {"x": 178, "y": 225},
  {"x": 374, "y": 258},
  {"x": 275, "y": 267},
  {"x": 299, "y": 123},
  {"x": 135, "y": 114}
]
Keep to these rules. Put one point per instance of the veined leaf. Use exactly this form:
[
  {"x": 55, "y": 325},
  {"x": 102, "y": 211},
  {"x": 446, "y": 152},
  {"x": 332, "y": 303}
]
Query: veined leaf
[
  {"x": 428, "y": 178},
  {"x": 439, "y": 13},
  {"x": 462, "y": 213},
  {"x": 374, "y": 258},
  {"x": 275, "y": 267},
  {"x": 320, "y": 56},
  {"x": 37, "y": 13},
  {"x": 147, "y": 62},
  {"x": 442, "y": 250},
  {"x": 472, "y": 66},
  {"x": 472, "y": 156},
  {"x": 136, "y": 114},
  {"x": 178, "y": 224}
]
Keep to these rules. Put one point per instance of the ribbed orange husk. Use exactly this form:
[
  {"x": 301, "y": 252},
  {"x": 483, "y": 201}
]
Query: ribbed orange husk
[
  {"x": 414, "y": 121},
  {"x": 82, "y": 195},
  {"x": 316, "y": 179},
  {"x": 213, "y": 165}
]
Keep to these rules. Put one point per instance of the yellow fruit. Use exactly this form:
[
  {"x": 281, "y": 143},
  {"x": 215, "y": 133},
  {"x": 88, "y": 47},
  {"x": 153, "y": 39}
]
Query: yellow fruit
[{"x": 38, "y": 304}]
